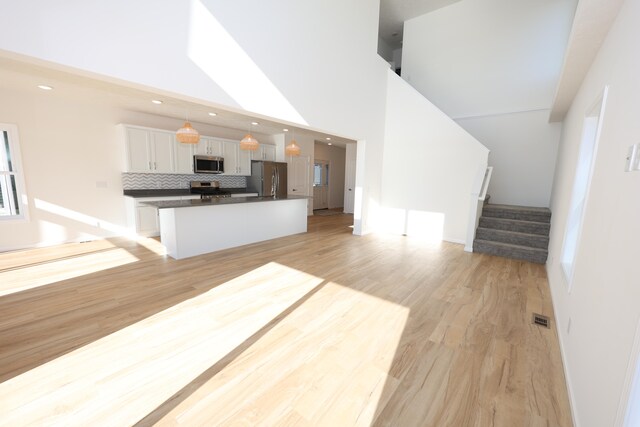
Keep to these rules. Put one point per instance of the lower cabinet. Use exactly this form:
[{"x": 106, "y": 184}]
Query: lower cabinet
[{"x": 143, "y": 219}]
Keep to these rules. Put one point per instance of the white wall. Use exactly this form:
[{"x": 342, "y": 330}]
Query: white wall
[
  {"x": 397, "y": 57},
  {"x": 603, "y": 303},
  {"x": 430, "y": 164},
  {"x": 523, "y": 154},
  {"x": 68, "y": 146},
  {"x": 480, "y": 61},
  {"x": 331, "y": 80},
  {"x": 336, "y": 158},
  {"x": 384, "y": 50}
]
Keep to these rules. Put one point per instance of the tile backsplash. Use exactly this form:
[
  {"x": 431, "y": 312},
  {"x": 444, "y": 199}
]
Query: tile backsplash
[{"x": 161, "y": 181}]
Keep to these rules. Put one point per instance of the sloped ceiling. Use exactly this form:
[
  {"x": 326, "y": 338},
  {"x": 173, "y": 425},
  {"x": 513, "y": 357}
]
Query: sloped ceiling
[
  {"x": 591, "y": 23},
  {"x": 393, "y": 13}
]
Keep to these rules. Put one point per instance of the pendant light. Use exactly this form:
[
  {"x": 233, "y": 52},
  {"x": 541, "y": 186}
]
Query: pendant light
[
  {"x": 292, "y": 149},
  {"x": 187, "y": 134},
  {"x": 249, "y": 143}
]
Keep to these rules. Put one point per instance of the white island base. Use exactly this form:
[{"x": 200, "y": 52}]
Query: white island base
[{"x": 194, "y": 230}]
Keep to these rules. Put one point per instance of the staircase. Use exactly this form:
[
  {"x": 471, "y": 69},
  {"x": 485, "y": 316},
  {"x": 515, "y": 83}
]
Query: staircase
[{"x": 518, "y": 232}]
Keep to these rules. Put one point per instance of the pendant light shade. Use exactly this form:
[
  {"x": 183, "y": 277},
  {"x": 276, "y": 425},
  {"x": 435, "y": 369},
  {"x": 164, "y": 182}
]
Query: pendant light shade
[
  {"x": 187, "y": 134},
  {"x": 249, "y": 143},
  {"x": 292, "y": 149}
]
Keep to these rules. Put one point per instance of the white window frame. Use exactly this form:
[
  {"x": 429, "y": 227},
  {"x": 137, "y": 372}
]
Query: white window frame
[
  {"x": 16, "y": 161},
  {"x": 597, "y": 109}
]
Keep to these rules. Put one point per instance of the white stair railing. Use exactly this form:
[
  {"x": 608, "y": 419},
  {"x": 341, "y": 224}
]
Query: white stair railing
[{"x": 478, "y": 196}]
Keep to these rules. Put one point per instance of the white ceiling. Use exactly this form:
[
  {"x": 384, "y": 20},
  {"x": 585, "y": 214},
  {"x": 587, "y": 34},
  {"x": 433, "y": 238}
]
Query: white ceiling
[
  {"x": 591, "y": 24},
  {"x": 393, "y": 13},
  {"x": 26, "y": 75}
]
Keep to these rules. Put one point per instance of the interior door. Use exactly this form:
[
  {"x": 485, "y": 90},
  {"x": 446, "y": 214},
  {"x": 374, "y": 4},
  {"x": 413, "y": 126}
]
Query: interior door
[
  {"x": 298, "y": 179},
  {"x": 350, "y": 178},
  {"x": 350, "y": 186}
]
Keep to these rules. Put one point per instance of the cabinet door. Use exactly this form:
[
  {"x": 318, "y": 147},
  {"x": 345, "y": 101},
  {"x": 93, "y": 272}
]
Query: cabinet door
[
  {"x": 258, "y": 154},
  {"x": 184, "y": 157},
  {"x": 202, "y": 148},
  {"x": 269, "y": 153},
  {"x": 147, "y": 221},
  {"x": 244, "y": 162},
  {"x": 230, "y": 154},
  {"x": 215, "y": 147},
  {"x": 138, "y": 148},
  {"x": 162, "y": 143}
]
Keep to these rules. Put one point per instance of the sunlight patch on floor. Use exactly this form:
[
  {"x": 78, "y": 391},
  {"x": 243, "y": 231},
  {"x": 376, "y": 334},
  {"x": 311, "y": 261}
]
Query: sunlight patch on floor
[
  {"x": 327, "y": 363},
  {"x": 33, "y": 276},
  {"x": 122, "y": 377}
]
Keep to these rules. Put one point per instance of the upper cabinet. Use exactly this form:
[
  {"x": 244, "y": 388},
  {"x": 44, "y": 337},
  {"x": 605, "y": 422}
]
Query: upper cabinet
[
  {"x": 264, "y": 152},
  {"x": 209, "y": 147},
  {"x": 149, "y": 151},
  {"x": 184, "y": 157},
  {"x": 236, "y": 161},
  {"x": 158, "y": 151}
]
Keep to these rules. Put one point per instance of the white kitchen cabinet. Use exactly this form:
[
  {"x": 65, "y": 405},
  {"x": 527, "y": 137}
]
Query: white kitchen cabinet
[
  {"x": 209, "y": 147},
  {"x": 149, "y": 151},
  {"x": 236, "y": 161},
  {"x": 264, "y": 152},
  {"x": 147, "y": 223},
  {"x": 184, "y": 157},
  {"x": 144, "y": 219}
]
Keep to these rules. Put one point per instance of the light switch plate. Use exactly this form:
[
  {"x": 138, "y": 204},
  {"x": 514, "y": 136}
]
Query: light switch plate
[{"x": 633, "y": 158}]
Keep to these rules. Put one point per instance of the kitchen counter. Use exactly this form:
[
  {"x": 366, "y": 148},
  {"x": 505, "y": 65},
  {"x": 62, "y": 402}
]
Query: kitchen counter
[
  {"x": 213, "y": 225},
  {"x": 170, "y": 192},
  {"x": 170, "y": 204}
]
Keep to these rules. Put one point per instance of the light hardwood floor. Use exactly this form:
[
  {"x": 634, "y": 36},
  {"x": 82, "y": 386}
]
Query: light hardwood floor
[{"x": 319, "y": 329}]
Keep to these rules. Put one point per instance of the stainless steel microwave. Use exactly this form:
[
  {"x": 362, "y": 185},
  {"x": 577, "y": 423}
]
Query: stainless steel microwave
[{"x": 208, "y": 164}]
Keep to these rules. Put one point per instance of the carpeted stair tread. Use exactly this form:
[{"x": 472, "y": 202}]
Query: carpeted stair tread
[
  {"x": 510, "y": 251},
  {"x": 513, "y": 237},
  {"x": 519, "y": 208},
  {"x": 523, "y": 213},
  {"x": 520, "y": 226}
]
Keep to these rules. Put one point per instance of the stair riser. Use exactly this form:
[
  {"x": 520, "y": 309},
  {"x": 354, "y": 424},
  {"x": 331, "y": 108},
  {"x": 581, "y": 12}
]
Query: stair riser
[
  {"x": 530, "y": 228},
  {"x": 521, "y": 216},
  {"x": 537, "y": 241},
  {"x": 521, "y": 254}
]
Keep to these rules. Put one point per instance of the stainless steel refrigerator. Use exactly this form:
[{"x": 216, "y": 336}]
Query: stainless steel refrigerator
[{"x": 268, "y": 179}]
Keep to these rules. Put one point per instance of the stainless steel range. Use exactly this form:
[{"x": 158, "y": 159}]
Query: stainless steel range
[{"x": 208, "y": 189}]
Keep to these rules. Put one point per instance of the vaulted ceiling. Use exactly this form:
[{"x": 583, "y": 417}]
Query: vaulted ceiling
[{"x": 393, "y": 13}]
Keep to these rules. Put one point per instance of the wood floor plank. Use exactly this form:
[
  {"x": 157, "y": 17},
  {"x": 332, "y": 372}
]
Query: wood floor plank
[{"x": 318, "y": 329}]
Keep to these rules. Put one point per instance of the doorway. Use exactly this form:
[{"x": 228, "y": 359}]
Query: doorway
[{"x": 321, "y": 170}]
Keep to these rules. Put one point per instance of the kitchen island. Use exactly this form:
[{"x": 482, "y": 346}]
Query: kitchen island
[{"x": 194, "y": 227}]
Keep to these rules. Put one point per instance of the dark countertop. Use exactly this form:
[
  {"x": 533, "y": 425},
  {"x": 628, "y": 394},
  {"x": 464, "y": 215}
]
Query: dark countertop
[
  {"x": 169, "y": 204},
  {"x": 174, "y": 192}
]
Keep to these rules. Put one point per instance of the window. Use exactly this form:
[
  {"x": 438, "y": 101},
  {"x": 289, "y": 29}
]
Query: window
[
  {"x": 10, "y": 174},
  {"x": 320, "y": 173},
  {"x": 317, "y": 174},
  {"x": 584, "y": 167}
]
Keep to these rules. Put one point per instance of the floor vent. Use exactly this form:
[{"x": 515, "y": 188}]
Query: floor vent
[{"x": 540, "y": 320}]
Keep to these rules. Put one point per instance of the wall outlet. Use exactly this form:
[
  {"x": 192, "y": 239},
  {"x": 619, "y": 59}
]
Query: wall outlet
[{"x": 101, "y": 184}]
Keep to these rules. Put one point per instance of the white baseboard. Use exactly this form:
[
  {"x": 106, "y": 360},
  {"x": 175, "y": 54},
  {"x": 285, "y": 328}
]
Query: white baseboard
[{"x": 563, "y": 356}]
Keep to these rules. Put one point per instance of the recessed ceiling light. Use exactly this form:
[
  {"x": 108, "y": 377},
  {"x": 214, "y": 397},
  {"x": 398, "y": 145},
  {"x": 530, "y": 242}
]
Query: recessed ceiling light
[
  {"x": 213, "y": 114},
  {"x": 329, "y": 143},
  {"x": 45, "y": 87},
  {"x": 156, "y": 101},
  {"x": 255, "y": 123},
  {"x": 328, "y": 139},
  {"x": 285, "y": 130}
]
